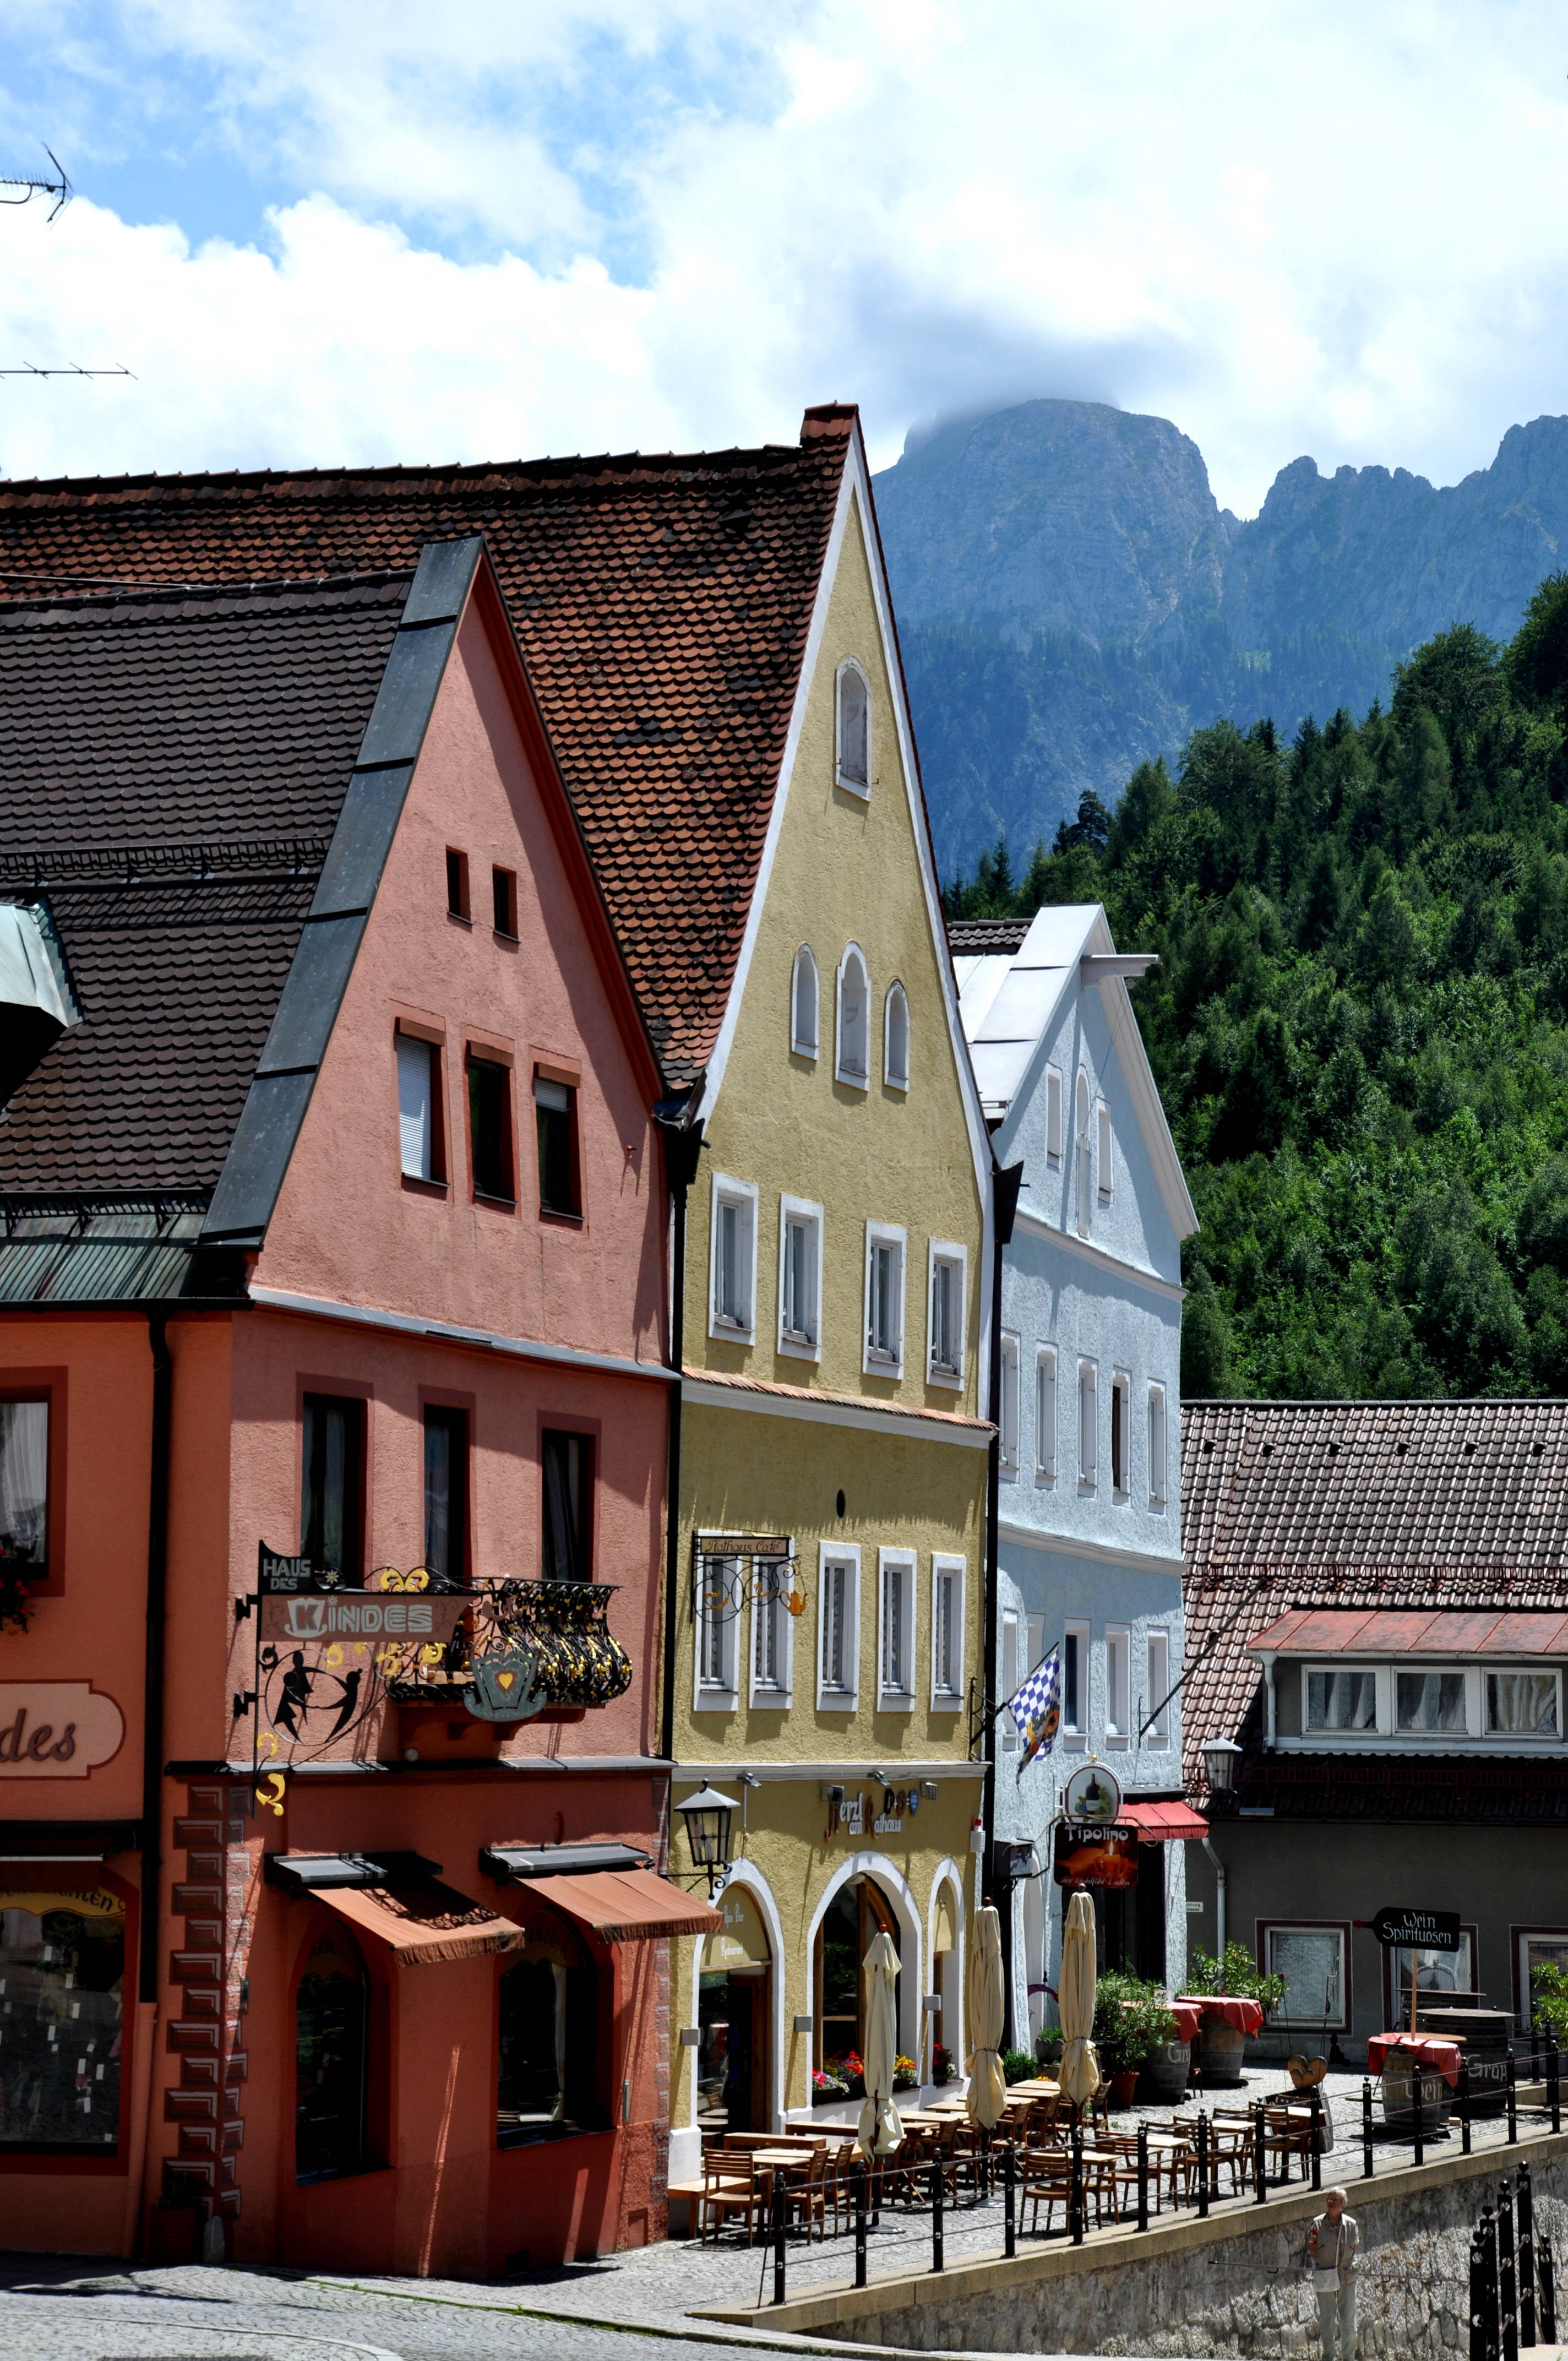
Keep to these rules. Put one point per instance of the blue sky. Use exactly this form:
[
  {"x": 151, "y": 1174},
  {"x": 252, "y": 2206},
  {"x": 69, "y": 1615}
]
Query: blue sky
[{"x": 366, "y": 232}]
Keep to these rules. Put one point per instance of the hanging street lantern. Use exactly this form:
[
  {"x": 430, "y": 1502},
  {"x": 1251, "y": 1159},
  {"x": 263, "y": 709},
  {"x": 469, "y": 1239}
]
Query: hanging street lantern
[
  {"x": 1221, "y": 1760},
  {"x": 708, "y": 1815}
]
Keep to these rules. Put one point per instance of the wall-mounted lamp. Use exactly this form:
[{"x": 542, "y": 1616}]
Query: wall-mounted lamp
[{"x": 708, "y": 1816}]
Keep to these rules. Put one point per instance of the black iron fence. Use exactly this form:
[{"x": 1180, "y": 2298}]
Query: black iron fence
[{"x": 1513, "y": 2293}]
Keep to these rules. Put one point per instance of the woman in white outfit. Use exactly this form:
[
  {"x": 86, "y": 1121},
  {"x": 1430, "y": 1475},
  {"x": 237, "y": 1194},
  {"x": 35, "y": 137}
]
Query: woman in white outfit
[{"x": 1333, "y": 2243}]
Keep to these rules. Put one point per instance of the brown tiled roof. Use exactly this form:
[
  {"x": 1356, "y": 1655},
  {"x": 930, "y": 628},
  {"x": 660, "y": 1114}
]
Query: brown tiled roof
[
  {"x": 662, "y": 604},
  {"x": 986, "y": 935},
  {"x": 172, "y": 766},
  {"x": 1396, "y": 1506}
]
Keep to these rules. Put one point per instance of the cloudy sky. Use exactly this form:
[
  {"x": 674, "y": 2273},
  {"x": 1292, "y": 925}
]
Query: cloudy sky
[{"x": 370, "y": 230}]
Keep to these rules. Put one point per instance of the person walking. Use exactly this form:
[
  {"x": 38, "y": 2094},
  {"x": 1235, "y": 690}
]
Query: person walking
[{"x": 1334, "y": 2245}]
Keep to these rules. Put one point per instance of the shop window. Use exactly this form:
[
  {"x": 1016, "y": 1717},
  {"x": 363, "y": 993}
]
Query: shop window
[
  {"x": 1342, "y": 1700},
  {"x": 1521, "y": 1705},
  {"x": 489, "y": 1127},
  {"x": 568, "y": 1473},
  {"x": 420, "y": 1141},
  {"x": 332, "y": 2031},
  {"x": 24, "y": 1487},
  {"x": 857, "y": 1914},
  {"x": 854, "y": 733},
  {"x": 446, "y": 1494},
  {"x": 503, "y": 897},
  {"x": 1311, "y": 1961},
  {"x": 546, "y": 2080},
  {"x": 332, "y": 1483},
  {"x": 556, "y": 1120},
  {"x": 1429, "y": 1702},
  {"x": 62, "y": 1961}
]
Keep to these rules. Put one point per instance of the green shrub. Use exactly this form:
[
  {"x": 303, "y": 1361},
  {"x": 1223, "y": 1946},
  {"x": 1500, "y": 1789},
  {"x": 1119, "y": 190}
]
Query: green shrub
[
  {"x": 1018, "y": 2065},
  {"x": 1238, "y": 1974},
  {"x": 1131, "y": 2018}
]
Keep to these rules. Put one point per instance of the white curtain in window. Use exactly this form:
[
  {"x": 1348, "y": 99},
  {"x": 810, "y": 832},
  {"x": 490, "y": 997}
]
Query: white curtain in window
[
  {"x": 1346, "y": 1700},
  {"x": 416, "y": 1105},
  {"x": 1522, "y": 1705},
  {"x": 23, "y": 1482}
]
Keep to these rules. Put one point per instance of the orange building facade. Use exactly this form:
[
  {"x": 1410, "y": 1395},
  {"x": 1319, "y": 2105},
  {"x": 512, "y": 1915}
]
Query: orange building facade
[{"x": 334, "y": 1247}]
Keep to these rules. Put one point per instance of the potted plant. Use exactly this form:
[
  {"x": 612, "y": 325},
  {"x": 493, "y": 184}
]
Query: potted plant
[
  {"x": 826, "y": 2086},
  {"x": 1236, "y": 1976},
  {"x": 1017, "y": 2066},
  {"x": 941, "y": 2066},
  {"x": 905, "y": 2076},
  {"x": 1132, "y": 2018}
]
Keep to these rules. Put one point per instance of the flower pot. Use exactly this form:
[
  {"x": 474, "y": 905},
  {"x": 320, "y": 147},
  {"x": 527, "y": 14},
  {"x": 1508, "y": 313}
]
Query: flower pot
[
  {"x": 1165, "y": 2070},
  {"x": 1220, "y": 2049},
  {"x": 1124, "y": 2087}
]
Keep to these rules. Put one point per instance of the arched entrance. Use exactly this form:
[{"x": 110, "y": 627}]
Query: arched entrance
[
  {"x": 946, "y": 2029},
  {"x": 857, "y": 1913},
  {"x": 734, "y": 2020}
]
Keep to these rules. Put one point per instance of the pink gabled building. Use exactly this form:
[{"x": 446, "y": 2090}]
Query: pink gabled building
[{"x": 333, "y": 1228}]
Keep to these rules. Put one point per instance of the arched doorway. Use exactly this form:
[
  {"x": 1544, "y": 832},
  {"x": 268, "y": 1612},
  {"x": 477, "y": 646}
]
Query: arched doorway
[
  {"x": 857, "y": 1913},
  {"x": 946, "y": 2029},
  {"x": 332, "y": 2028},
  {"x": 734, "y": 2019}
]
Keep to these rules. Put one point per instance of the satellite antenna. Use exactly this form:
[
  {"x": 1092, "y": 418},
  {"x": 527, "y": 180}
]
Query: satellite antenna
[{"x": 35, "y": 185}]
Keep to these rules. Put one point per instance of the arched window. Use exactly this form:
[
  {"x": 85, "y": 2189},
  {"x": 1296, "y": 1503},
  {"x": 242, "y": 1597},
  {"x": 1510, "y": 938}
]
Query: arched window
[
  {"x": 854, "y": 999},
  {"x": 1082, "y": 1155},
  {"x": 859, "y": 1912},
  {"x": 854, "y": 766},
  {"x": 895, "y": 1038},
  {"x": 331, "y": 2024},
  {"x": 802, "y": 1003}
]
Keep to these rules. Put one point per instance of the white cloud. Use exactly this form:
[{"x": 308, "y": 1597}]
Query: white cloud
[{"x": 1308, "y": 226}]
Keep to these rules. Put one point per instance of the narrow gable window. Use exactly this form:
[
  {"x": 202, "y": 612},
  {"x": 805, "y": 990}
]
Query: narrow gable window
[
  {"x": 1107, "y": 1152},
  {"x": 854, "y": 998},
  {"x": 555, "y": 1121},
  {"x": 854, "y": 767},
  {"x": 1053, "y": 1115},
  {"x": 503, "y": 893},
  {"x": 331, "y": 1482},
  {"x": 1156, "y": 1447},
  {"x": 1045, "y": 1415},
  {"x": 895, "y": 1039},
  {"x": 1121, "y": 1479},
  {"x": 1088, "y": 1424},
  {"x": 489, "y": 1127},
  {"x": 420, "y": 1140},
  {"x": 457, "y": 884},
  {"x": 800, "y": 1267},
  {"x": 1083, "y": 1153},
  {"x": 568, "y": 1473},
  {"x": 802, "y": 998}
]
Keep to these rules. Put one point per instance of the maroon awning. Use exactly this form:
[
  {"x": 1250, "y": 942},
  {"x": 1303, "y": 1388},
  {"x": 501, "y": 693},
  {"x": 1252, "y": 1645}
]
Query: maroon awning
[
  {"x": 1167, "y": 1823},
  {"x": 1396, "y": 1631}
]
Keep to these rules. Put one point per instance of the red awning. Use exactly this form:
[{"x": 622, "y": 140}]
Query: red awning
[
  {"x": 424, "y": 1921},
  {"x": 1412, "y": 1631},
  {"x": 627, "y": 1905},
  {"x": 1165, "y": 1823}
]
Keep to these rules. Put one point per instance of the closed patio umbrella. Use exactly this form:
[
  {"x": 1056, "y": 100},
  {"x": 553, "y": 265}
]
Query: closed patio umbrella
[
  {"x": 987, "y": 2083},
  {"x": 1079, "y": 2070},
  {"x": 880, "y": 2128}
]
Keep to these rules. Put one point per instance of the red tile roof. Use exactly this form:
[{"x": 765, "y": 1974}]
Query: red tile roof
[
  {"x": 662, "y": 604},
  {"x": 1357, "y": 1631}
]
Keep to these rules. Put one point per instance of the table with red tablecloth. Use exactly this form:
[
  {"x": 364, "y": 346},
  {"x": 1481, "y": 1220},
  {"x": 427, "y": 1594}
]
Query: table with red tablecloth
[
  {"x": 1432, "y": 2052},
  {"x": 1241, "y": 2016}
]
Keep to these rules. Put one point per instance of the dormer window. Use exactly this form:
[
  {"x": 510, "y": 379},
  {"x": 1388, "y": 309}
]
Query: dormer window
[
  {"x": 1344, "y": 1699},
  {"x": 802, "y": 1003},
  {"x": 1521, "y": 1704},
  {"x": 853, "y": 768},
  {"x": 1430, "y": 1701},
  {"x": 854, "y": 998},
  {"x": 895, "y": 1039}
]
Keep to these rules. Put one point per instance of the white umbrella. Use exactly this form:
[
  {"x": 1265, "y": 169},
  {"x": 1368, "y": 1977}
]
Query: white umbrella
[
  {"x": 987, "y": 2083},
  {"x": 880, "y": 2127},
  {"x": 1079, "y": 2070}
]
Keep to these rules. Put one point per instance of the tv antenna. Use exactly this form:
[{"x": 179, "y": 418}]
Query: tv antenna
[
  {"x": 34, "y": 185},
  {"x": 68, "y": 368}
]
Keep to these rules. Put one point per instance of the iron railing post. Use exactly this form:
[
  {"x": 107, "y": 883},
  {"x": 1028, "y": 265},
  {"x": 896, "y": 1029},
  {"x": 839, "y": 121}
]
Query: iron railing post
[
  {"x": 1203, "y": 2166},
  {"x": 1554, "y": 2082},
  {"x": 1463, "y": 2103},
  {"x": 1260, "y": 2154},
  {"x": 1546, "y": 2314},
  {"x": 1075, "y": 2187},
  {"x": 1367, "y": 2166},
  {"x": 780, "y": 2217},
  {"x": 937, "y": 2261},
  {"x": 1009, "y": 2195},
  {"x": 1477, "y": 2295},
  {"x": 1524, "y": 2207},
  {"x": 1142, "y": 2173},
  {"x": 1418, "y": 2097},
  {"x": 1317, "y": 2125},
  {"x": 1513, "y": 2099},
  {"x": 859, "y": 2175},
  {"x": 1507, "y": 2278}
]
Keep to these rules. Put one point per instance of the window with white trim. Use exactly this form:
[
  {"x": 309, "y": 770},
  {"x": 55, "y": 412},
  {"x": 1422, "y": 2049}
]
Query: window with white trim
[
  {"x": 1046, "y": 1414},
  {"x": 1009, "y": 1419},
  {"x": 853, "y": 1063},
  {"x": 800, "y": 1279},
  {"x": 838, "y": 1629},
  {"x": 895, "y": 1038},
  {"x": 896, "y": 1683},
  {"x": 773, "y": 1632},
  {"x": 419, "y": 1109},
  {"x": 1156, "y": 1703},
  {"x": 945, "y": 1337},
  {"x": 734, "y": 1259},
  {"x": 948, "y": 1581},
  {"x": 1157, "y": 1475},
  {"x": 1075, "y": 1681},
  {"x": 1121, "y": 1472},
  {"x": 1010, "y": 1677},
  {"x": 1341, "y": 1698},
  {"x": 1053, "y": 1117},
  {"x": 1083, "y": 1155},
  {"x": 885, "y": 1248},
  {"x": 719, "y": 1585},
  {"x": 853, "y": 766},
  {"x": 1118, "y": 1706},
  {"x": 1105, "y": 1159},
  {"x": 802, "y": 1003},
  {"x": 1311, "y": 1961},
  {"x": 1088, "y": 1424},
  {"x": 1521, "y": 1703}
]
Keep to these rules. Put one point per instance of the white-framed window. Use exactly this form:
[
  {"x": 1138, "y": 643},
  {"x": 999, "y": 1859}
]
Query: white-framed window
[
  {"x": 1088, "y": 1424},
  {"x": 1156, "y": 1704},
  {"x": 852, "y": 1062},
  {"x": 733, "y": 1256},
  {"x": 1118, "y": 1664},
  {"x": 1105, "y": 1160},
  {"x": 895, "y": 1625},
  {"x": 1438, "y": 1974},
  {"x": 1083, "y": 1156},
  {"x": 1521, "y": 1701},
  {"x": 948, "y": 1583},
  {"x": 1311, "y": 1961},
  {"x": 1540, "y": 1946},
  {"x": 947, "y": 1272},
  {"x": 1075, "y": 1682},
  {"x": 1121, "y": 1436},
  {"x": 1053, "y": 1117},
  {"x": 852, "y": 768},
  {"x": 802, "y": 1003},
  {"x": 1009, "y": 1676},
  {"x": 800, "y": 1279},
  {"x": 895, "y": 1038},
  {"x": 1046, "y": 1414},
  {"x": 838, "y": 1628},
  {"x": 886, "y": 1251},
  {"x": 418, "y": 1107},
  {"x": 1009, "y": 1420},
  {"x": 1339, "y": 1698},
  {"x": 773, "y": 1633},
  {"x": 718, "y": 1602},
  {"x": 1157, "y": 1475},
  {"x": 1429, "y": 1703}
]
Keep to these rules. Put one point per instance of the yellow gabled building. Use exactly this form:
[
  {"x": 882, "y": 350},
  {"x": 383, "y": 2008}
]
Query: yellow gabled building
[{"x": 824, "y": 1623}]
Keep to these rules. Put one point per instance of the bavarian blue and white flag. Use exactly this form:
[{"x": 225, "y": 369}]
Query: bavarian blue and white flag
[{"x": 1036, "y": 1709}]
